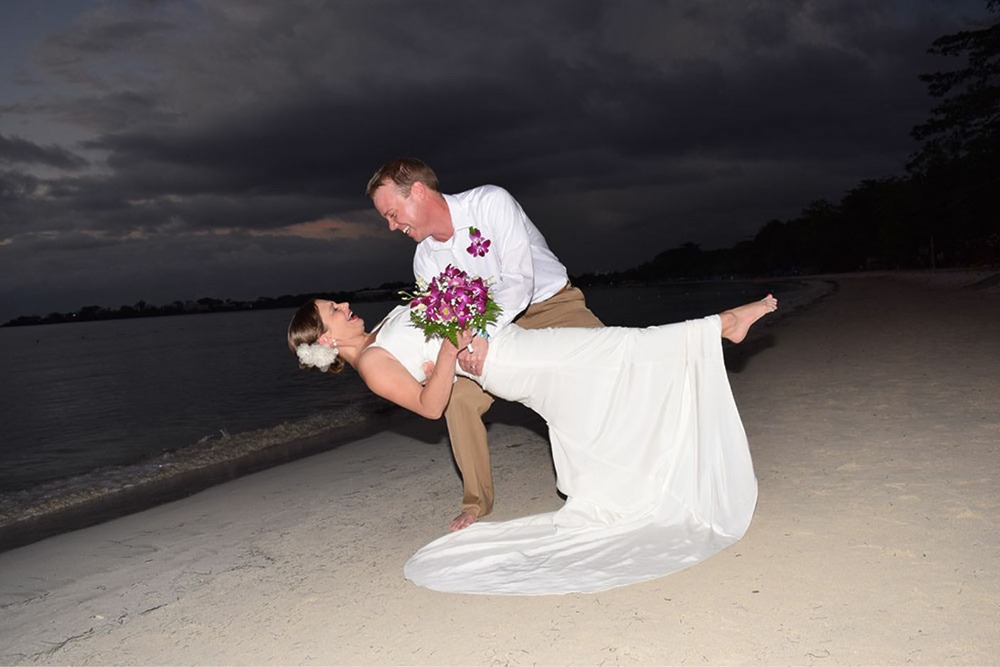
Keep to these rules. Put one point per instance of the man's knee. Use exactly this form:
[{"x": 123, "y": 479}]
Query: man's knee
[{"x": 468, "y": 398}]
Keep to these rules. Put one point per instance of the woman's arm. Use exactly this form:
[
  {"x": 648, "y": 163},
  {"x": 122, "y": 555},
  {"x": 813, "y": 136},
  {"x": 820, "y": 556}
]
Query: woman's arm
[{"x": 388, "y": 378}]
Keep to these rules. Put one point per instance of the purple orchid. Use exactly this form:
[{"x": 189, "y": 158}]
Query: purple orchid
[
  {"x": 480, "y": 246},
  {"x": 452, "y": 302}
]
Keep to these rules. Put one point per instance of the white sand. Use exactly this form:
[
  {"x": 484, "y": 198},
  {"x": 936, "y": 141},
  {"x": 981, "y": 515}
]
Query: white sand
[{"x": 874, "y": 420}]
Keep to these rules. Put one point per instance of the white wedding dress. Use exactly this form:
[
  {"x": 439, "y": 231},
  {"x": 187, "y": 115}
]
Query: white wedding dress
[{"x": 648, "y": 447}]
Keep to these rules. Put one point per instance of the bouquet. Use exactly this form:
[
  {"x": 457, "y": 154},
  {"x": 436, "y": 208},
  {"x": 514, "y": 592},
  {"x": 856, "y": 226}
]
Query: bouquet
[{"x": 451, "y": 302}]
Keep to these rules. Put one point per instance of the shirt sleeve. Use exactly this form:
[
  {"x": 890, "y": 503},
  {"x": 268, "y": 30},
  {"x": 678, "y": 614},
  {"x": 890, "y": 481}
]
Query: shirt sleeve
[{"x": 503, "y": 221}]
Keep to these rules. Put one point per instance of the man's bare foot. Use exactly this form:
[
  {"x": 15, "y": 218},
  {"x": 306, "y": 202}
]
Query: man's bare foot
[
  {"x": 463, "y": 520},
  {"x": 736, "y": 322}
]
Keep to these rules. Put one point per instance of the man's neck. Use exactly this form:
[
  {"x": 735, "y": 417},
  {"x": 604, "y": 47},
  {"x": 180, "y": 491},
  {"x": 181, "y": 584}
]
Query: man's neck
[{"x": 444, "y": 229}]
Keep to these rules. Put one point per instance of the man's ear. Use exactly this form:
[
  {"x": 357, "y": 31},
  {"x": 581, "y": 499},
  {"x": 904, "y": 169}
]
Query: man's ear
[{"x": 419, "y": 190}]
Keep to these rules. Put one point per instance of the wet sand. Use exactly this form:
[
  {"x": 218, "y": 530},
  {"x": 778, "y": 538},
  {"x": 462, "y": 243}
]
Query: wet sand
[{"x": 874, "y": 421}]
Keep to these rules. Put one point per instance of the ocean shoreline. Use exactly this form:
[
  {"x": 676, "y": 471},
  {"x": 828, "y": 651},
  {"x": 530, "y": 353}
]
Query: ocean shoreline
[
  {"x": 37, "y": 524},
  {"x": 57, "y": 507}
]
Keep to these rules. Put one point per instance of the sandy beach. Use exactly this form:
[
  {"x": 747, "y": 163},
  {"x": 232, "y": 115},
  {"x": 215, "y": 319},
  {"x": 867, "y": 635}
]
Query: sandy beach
[{"x": 874, "y": 422}]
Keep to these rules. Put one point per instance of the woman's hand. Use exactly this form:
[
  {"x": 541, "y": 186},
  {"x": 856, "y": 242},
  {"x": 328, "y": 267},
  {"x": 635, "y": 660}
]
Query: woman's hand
[{"x": 463, "y": 338}]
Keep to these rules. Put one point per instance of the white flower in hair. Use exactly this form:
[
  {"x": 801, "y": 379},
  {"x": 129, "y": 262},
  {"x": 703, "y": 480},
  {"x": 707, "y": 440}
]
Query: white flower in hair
[{"x": 320, "y": 356}]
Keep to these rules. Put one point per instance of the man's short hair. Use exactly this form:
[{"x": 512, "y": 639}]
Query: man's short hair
[{"x": 403, "y": 172}]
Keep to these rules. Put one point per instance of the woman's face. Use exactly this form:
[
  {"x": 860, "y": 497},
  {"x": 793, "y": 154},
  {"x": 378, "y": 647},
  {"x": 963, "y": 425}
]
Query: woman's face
[{"x": 338, "y": 320}]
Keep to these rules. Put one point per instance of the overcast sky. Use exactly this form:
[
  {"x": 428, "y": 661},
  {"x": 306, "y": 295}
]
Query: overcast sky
[{"x": 175, "y": 150}]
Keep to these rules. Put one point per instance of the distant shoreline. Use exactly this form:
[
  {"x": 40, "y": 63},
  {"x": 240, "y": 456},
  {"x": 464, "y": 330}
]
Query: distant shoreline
[
  {"x": 385, "y": 292},
  {"x": 204, "y": 306}
]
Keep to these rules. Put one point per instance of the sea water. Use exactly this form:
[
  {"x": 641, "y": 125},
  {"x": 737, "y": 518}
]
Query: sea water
[{"x": 89, "y": 407}]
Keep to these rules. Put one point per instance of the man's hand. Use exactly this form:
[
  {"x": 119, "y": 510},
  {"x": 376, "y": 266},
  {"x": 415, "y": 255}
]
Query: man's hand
[{"x": 473, "y": 356}]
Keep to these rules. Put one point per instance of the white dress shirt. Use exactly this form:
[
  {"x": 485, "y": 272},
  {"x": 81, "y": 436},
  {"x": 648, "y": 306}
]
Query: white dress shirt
[{"x": 518, "y": 265}]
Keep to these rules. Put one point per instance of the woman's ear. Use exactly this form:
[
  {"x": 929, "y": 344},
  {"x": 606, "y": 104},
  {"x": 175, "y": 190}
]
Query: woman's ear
[{"x": 328, "y": 340}]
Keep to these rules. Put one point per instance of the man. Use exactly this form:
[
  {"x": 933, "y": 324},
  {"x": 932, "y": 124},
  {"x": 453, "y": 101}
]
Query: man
[{"x": 485, "y": 232}]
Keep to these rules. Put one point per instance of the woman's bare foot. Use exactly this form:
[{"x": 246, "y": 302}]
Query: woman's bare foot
[
  {"x": 463, "y": 520},
  {"x": 736, "y": 322}
]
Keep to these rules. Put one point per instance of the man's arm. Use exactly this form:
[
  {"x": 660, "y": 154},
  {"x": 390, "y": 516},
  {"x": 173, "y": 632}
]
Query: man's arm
[
  {"x": 507, "y": 263},
  {"x": 500, "y": 218}
]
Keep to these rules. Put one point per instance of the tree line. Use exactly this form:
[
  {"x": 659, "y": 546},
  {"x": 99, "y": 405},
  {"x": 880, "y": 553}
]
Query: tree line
[
  {"x": 944, "y": 212},
  {"x": 205, "y": 305}
]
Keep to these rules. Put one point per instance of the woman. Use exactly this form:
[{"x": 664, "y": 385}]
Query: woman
[{"x": 646, "y": 440}]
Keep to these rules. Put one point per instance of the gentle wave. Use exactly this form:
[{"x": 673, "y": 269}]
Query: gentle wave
[{"x": 56, "y": 496}]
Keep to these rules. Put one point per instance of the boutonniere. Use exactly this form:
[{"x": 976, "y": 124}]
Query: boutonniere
[{"x": 480, "y": 246}]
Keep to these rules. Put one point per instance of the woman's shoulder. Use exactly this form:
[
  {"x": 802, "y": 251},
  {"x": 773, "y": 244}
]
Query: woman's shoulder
[{"x": 372, "y": 356}]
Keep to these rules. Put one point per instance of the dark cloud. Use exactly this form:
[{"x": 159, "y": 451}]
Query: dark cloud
[
  {"x": 623, "y": 128},
  {"x": 15, "y": 150}
]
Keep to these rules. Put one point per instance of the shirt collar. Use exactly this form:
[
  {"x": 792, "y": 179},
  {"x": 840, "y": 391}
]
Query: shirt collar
[
  {"x": 460, "y": 218},
  {"x": 460, "y": 222}
]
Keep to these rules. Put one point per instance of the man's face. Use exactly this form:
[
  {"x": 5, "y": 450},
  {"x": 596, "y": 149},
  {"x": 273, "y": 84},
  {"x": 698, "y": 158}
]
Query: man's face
[{"x": 404, "y": 214}]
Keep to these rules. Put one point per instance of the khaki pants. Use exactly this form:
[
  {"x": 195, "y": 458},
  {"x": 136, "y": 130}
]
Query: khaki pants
[{"x": 469, "y": 402}]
